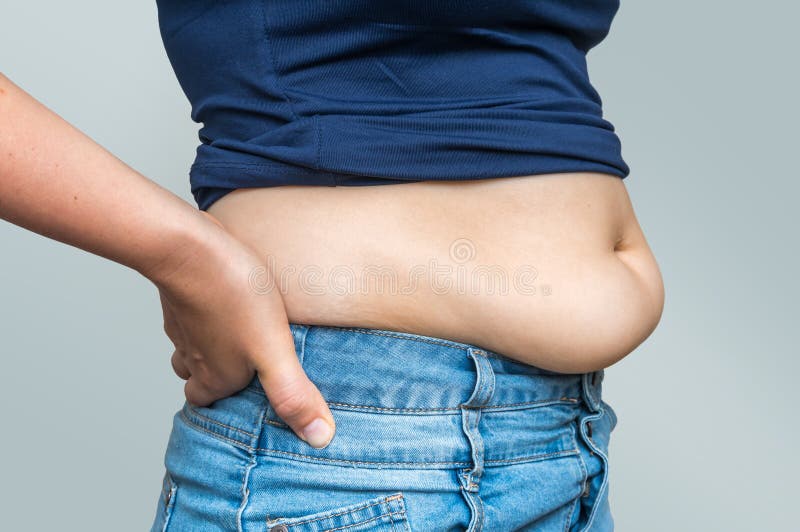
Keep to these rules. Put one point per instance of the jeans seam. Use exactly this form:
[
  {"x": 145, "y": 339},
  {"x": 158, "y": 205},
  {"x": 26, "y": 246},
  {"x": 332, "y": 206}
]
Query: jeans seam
[
  {"x": 169, "y": 496},
  {"x": 390, "y": 514},
  {"x": 497, "y": 461},
  {"x": 215, "y": 422},
  {"x": 604, "y": 459},
  {"x": 246, "y": 447},
  {"x": 584, "y": 471},
  {"x": 481, "y": 512},
  {"x": 222, "y": 437},
  {"x": 455, "y": 410},
  {"x": 400, "y": 336},
  {"x": 531, "y": 458},
  {"x": 348, "y": 511},
  {"x": 575, "y": 504},
  {"x": 245, "y": 491},
  {"x": 305, "y": 457}
]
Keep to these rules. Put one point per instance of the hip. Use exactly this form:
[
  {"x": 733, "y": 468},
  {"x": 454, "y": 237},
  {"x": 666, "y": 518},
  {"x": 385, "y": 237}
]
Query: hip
[{"x": 431, "y": 435}]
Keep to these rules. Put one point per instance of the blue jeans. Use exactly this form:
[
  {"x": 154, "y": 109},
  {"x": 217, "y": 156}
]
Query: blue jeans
[{"x": 432, "y": 435}]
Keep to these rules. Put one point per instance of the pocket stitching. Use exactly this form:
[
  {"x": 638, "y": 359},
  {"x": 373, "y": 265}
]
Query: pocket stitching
[
  {"x": 337, "y": 512},
  {"x": 584, "y": 475},
  {"x": 195, "y": 426},
  {"x": 404, "y": 521},
  {"x": 390, "y": 514}
]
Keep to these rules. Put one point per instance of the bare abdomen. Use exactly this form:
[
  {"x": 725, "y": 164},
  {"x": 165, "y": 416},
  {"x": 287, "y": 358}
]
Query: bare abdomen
[{"x": 552, "y": 270}]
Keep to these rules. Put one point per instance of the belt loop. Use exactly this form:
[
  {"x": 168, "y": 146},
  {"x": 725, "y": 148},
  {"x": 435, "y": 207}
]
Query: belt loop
[
  {"x": 299, "y": 333},
  {"x": 471, "y": 415},
  {"x": 484, "y": 381},
  {"x": 592, "y": 388}
]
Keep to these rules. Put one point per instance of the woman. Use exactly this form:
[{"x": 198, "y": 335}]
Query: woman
[{"x": 452, "y": 328}]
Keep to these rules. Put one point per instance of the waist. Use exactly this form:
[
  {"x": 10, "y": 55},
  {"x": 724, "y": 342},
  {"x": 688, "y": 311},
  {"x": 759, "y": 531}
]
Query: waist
[
  {"x": 384, "y": 369},
  {"x": 418, "y": 419},
  {"x": 524, "y": 266},
  {"x": 416, "y": 388}
]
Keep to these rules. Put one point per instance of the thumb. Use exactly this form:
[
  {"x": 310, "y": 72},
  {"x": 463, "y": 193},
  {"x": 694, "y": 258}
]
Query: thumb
[{"x": 295, "y": 399}]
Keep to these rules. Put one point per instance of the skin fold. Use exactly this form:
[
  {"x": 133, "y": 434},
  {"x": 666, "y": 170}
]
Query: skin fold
[{"x": 347, "y": 256}]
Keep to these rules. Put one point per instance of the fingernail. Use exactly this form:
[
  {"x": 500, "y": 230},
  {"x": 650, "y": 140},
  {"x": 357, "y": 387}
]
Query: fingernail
[{"x": 318, "y": 433}]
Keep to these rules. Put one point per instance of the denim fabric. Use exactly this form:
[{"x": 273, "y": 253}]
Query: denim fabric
[{"x": 432, "y": 435}]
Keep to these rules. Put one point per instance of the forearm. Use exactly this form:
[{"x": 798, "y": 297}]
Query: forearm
[{"x": 56, "y": 181}]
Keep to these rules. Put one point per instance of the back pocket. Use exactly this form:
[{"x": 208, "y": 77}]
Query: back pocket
[{"x": 385, "y": 513}]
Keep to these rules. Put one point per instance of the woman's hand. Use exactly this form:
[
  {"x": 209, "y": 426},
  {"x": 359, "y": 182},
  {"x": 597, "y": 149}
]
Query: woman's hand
[
  {"x": 56, "y": 181},
  {"x": 224, "y": 331}
]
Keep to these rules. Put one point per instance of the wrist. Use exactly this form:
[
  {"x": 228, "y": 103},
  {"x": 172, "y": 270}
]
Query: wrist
[{"x": 183, "y": 245}]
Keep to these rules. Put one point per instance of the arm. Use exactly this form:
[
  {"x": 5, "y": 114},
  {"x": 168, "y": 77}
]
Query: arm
[{"x": 56, "y": 181}]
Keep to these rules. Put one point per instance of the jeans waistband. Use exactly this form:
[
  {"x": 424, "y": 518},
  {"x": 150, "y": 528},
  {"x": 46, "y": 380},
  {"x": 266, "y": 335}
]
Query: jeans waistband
[
  {"x": 409, "y": 400},
  {"x": 388, "y": 370}
]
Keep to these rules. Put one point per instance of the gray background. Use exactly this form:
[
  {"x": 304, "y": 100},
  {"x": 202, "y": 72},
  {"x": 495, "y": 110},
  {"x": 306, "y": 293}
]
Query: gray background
[{"x": 704, "y": 97}]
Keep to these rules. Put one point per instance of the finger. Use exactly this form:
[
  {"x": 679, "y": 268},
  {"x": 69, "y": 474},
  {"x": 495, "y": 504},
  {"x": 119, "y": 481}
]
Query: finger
[
  {"x": 197, "y": 394},
  {"x": 179, "y": 365},
  {"x": 294, "y": 398}
]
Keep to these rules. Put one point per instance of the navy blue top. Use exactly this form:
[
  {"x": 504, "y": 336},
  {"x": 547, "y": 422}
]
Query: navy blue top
[{"x": 371, "y": 92}]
